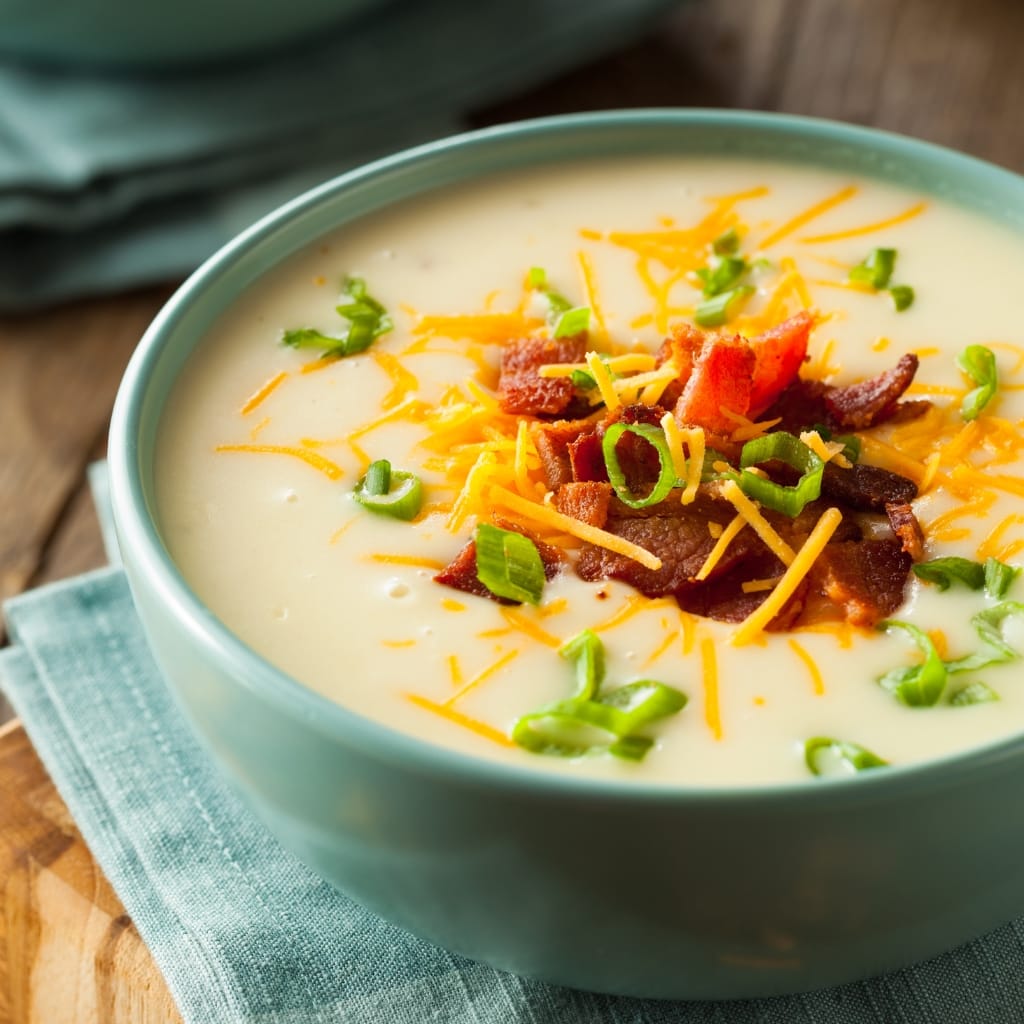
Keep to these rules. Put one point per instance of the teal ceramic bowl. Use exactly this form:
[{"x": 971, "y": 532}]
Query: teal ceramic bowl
[{"x": 601, "y": 885}]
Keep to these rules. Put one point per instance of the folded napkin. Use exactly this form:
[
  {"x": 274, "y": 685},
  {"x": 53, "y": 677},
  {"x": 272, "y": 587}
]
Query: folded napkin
[
  {"x": 244, "y": 934},
  {"x": 111, "y": 180}
]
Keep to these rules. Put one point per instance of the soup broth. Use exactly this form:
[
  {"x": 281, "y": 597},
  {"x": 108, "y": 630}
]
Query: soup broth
[{"x": 262, "y": 445}]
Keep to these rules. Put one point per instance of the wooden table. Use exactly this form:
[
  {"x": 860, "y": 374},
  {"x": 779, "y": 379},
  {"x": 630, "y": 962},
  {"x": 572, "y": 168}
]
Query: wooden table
[{"x": 945, "y": 70}]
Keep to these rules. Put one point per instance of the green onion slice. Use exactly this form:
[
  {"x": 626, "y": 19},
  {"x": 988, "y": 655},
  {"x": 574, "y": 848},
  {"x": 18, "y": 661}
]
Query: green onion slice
[
  {"x": 722, "y": 275},
  {"x": 902, "y": 296},
  {"x": 995, "y": 650},
  {"x": 999, "y": 577},
  {"x": 722, "y": 308},
  {"x": 973, "y": 693},
  {"x": 916, "y": 685},
  {"x": 783, "y": 447},
  {"x": 945, "y": 571},
  {"x": 654, "y": 436},
  {"x": 978, "y": 363},
  {"x": 508, "y": 564},
  {"x": 727, "y": 243},
  {"x": 586, "y": 652},
  {"x": 367, "y": 321},
  {"x": 589, "y": 721},
  {"x": 876, "y": 270},
  {"x": 572, "y": 322},
  {"x": 389, "y": 492},
  {"x": 827, "y": 756}
]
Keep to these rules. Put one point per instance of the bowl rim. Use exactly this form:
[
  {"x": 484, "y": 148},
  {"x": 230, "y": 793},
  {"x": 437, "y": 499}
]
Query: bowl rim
[{"x": 139, "y": 538}]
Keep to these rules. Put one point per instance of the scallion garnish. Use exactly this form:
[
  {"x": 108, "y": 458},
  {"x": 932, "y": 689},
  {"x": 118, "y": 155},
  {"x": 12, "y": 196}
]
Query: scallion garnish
[
  {"x": 508, "y": 564},
  {"x": 973, "y": 693},
  {"x": 827, "y": 756},
  {"x": 915, "y": 685},
  {"x": 389, "y": 492},
  {"x": 572, "y": 322},
  {"x": 783, "y": 447},
  {"x": 876, "y": 270},
  {"x": 722, "y": 308},
  {"x": 590, "y": 721},
  {"x": 978, "y": 363},
  {"x": 995, "y": 576},
  {"x": 727, "y": 243},
  {"x": 367, "y": 321},
  {"x": 988, "y": 624},
  {"x": 945, "y": 571},
  {"x": 999, "y": 577},
  {"x": 582, "y": 381},
  {"x": 565, "y": 319},
  {"x": 722, "y": 275},
  {"x": 902, "y": 296},
  {"x": 655, "y": 437}
]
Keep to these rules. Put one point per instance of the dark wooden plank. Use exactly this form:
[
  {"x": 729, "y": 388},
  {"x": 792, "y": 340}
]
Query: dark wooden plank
[{"x": 59, "y": 372}]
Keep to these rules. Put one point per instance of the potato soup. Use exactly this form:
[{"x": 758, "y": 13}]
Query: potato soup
[{"x": 700, "y": 472}]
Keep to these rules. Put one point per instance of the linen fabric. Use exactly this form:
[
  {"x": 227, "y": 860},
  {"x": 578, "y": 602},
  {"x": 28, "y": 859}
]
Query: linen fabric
[{"x": 109, "y": 180}]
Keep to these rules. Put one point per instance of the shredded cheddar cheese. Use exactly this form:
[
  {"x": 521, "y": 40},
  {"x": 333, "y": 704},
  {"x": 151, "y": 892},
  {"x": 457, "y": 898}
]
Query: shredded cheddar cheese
[
  {"x": 330, "y": 469},
  {"x": 817, "y": 682},
  {"x": 727, "y": 536},
  {"x": 263, "y": 392},
  {"x": 760, "y": 525},
  {"x": 812, "y": 213},
  {"x": 754, "y": 623},
  {"x": 709, "y": 677},
  {"x": 483, "y": 730}
]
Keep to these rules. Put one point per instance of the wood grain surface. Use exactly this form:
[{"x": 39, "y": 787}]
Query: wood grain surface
[{"x": 945, "y": 70}]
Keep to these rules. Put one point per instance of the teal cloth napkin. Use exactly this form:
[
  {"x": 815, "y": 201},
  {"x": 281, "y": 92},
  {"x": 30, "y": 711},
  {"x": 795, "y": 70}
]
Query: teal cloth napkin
[
  {"x": 244, "y": 934},
  {"x": 112, "y": 180}
]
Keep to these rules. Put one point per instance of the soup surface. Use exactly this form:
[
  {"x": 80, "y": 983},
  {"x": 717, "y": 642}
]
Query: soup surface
[{"x": 262, "y": 445}]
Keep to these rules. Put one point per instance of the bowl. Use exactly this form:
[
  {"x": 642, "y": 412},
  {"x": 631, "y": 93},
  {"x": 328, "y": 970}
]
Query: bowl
[{"x": 606, "y": 885}]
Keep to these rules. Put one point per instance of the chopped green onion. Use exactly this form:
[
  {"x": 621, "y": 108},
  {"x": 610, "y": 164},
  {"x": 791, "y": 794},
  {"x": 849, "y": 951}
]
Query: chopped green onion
[
  {"x": 655, "y": 437},
  {"x": 973, "y": 693},
  {"x": 508, "y": 564},
  {"x": 999, "y": 577},
  {"x": 945, "y": 571},
  {"x": 589, "y": 721},
  {"x": 988, "y": 624},
  {"x": 572, "y": 322},
  {"x": 582, "y": 380},
  {"x": 876, "y": 270},
  {"x": 722, "y": 275},
  {"x": 389, "y": 492},
  {"x": 538, "y": 277},
  {"x": 827, "y": 756},
  {"x": 916, "y": 685},
  {"x": 902, "y": 296},
  {"x": 978, "y": 363},
  {"x": 367, "y": 321},
  {"x": 586, "y": 652},
  {"x": 723, "y": 307},
  {"x": 995, "y": 576},
  {"x": 786, "y": 448},
  {"x": 378, "y": 478},
  {"x": 727, "y": 243}
]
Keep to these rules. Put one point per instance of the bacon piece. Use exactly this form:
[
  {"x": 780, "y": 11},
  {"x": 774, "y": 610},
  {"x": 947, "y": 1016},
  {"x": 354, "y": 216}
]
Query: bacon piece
[
  {"x": 724, "y": 600},
  {"x": 779, "y": 352},
  {"x": 866, "y": 488},
  {"x": 906, "y": 527},
  {"x": 677, "y": 534},
  {"x": 801, "y": 405},
  {"x": 586, "y": 459},
  {"x": 870, "y": 401},
  {"x": 721, "y": 378},
  {"x": 522, "y": 391},
  {"x": 460, "y": 573},
  {"x": 865, "y": 579},
  {"x": 552, "y": 441},
  {"x": 682, "y": 347},
  {"x": 586, "y": 501}
]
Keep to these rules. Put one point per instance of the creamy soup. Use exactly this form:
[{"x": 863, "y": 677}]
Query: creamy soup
[{"x": 263, "y": 444}]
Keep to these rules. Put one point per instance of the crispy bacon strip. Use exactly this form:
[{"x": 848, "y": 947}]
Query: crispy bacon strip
[
  {"x": 522, "y": 391},
  {"x": 870, "y": 401}
]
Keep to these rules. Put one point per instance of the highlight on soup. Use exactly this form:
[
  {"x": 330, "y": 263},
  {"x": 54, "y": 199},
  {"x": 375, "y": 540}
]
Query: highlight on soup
[{"x": 698, "y": 471}]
